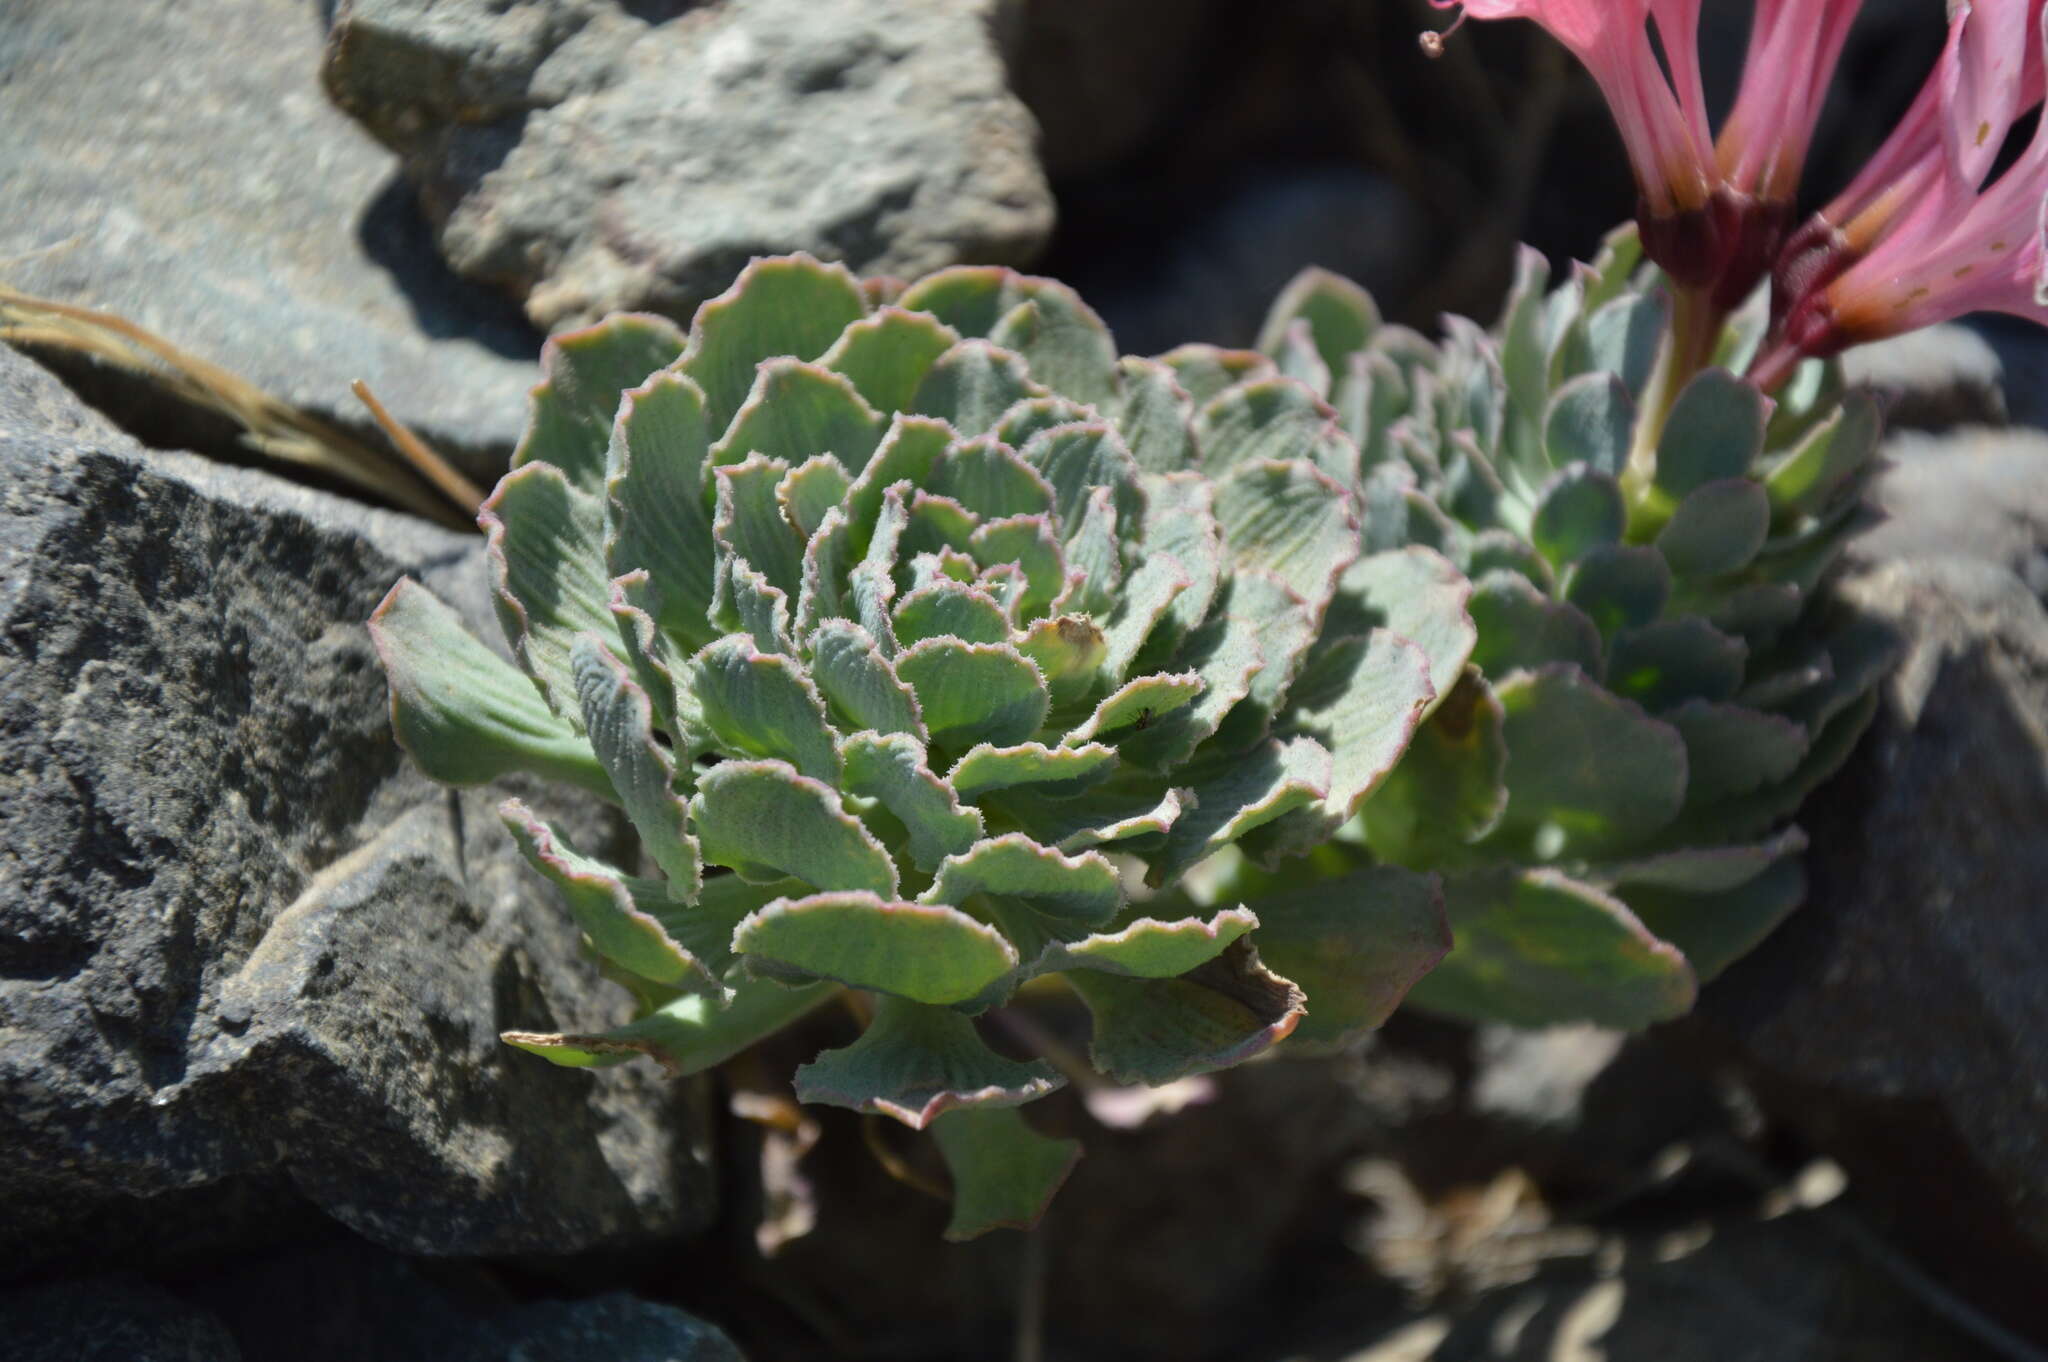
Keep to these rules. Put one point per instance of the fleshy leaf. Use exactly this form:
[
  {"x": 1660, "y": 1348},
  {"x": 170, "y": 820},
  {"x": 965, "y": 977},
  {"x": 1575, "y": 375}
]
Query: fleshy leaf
[
  {"x": 1081, "y": 460},
  {"x": 1341, "y": 316},
  {"x": 1027, "y": 541},
  {"x": 1004, "y": 1172},
  {"x": 1361, "y": 698},
  {"x": 1205, "y": 370},
  {"x": 1717, "y": 529},
  {"x": 797, "y": 411},
  {"x": 1591, "y": 420},
  {"x": 1095, "y": 567},
  {"x": 1825, "y": 459},
  {"x": 546, "y": 552},
  {"x": 915, "y": 1062},
  {"x": 972, "y": 693},
  {"x": 858, "y": 682},
  {"x": 767, "y": 822},
  {"x": 1232, "y": 796},
  {"x": 987, "y": 769},
  {"x": 749, "y": 523},
  {"x": 1285, "y": 628},
  {"x": 1520, "y": 627},
  {"x": 1081, "y": 888},
  {"x": 605, "y": 904},
  {"x": 1537, "y": 948},
  {"x": 891, "y": 768},
  {"x": 620, "y": 721},
  {"x": 1154, "y": 1031},
  {"x": 1354, "y": 942},
  {"x": 927, "y": 953},
  {"x": 659, "y": 502},
  {"x": 1068, "y": 652},
  {"x": 788, "y": 305},
  {"x": 1135, "y": 704},
  {"x": 1092, "y": 820},
  {"x": 1275, "y": 420},
  {"x": 1618, "y": 588},
  {"x": 1154, "y": 412},
  {"x": 887, "y": 354},
  {"x": 583, "y": 374},
  {"x": 1066, "y": 344},
  {"x": 1578, "y": 510},
  {"x": 1035, "y": 415},
  {"x": 1146, "y": 597},
  {"x": 1671, "y": 661},
  {"x": 1149, "y": 948},
  {"x": 1418, "y": 595},
  {"x": 1714, "y": 433},
  {"x": 1588, "y": 772},
  {"x": 811, "y": 490},
  {"x": 463, "y": 713},
  {"x": 686, "y": 1036},
  {"x": 1289, "y": 520},
  {"x": 992, "y": 480},
  {"x": 764, "y": 705},
  {"x": 1225, "y": 654},
  {"x": 641, "y": 645},
  {"x": 826, "y": 575},
  {"x": 972, "y": 385},
  {"x": 949, "y": 609},
  {"x": 907, "y": 453},
  {"x": 1450, "y": 788},
  {"x": 1731, "y": 750},
  {"x": 1717, "y": 929}
]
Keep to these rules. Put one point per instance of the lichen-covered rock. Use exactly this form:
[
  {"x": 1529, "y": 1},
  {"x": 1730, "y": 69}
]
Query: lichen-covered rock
[
  {"x": 293, "y": 259},
  {"x": 248, "y": 960},
  {"x": 590, "y": 156}
]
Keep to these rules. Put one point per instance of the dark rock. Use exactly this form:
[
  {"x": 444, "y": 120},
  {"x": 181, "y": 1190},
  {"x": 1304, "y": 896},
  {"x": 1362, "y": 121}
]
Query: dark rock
[
  {"x": 595, "y": 155},
  {"x": 1208, "y": 270},
  {"x": 110, "y": 1320},
  {"x": 339, "y": 1300},
  {"x": 249, "y": 960},
  {"x": 335, "y": 1300},
  {"x": 177, "y": 164},
  {"x": 1106, "y": 80},
  {"x": 1899, "y": 1016},
  {"x": 1745, "y": 1290}
]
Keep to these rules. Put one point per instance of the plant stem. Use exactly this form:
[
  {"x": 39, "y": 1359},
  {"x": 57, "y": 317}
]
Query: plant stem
[{"x": 1696, "y": 326}]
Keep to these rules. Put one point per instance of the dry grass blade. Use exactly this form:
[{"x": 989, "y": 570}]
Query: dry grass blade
[{"x": 274, "y": 428}]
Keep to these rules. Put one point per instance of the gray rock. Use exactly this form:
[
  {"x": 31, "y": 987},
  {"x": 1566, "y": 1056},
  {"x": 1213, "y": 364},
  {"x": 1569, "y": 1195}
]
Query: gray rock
[
  {"x": 1902, "y": 1012},
  {"x": 182, "y": 168},
  {"x": 1933, "y": 379},
  {"x": 249, "y": 960},
  {"x": 595, "y": 155}
]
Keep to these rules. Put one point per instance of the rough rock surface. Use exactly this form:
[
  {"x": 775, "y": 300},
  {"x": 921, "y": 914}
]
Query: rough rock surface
[
  {"x": 596, "y": 155},
  {"x": 339, "y": 1302},
  {"x": 249, "y": 960},
  {"x": 185, "y": 171},
  {"x": 1903, "y": 1008}
]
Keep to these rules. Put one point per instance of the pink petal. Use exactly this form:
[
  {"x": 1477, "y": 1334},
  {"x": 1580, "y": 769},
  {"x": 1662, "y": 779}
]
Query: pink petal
[{"x": 1984, "y": 85}]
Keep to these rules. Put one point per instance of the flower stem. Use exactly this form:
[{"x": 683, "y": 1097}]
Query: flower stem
[{"x": 1696, "y": 326}]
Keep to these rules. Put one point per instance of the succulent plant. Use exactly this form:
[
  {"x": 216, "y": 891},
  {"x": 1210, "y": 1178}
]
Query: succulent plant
[
  {"x": 912, "y": 628},
  {"x": 1607, "y": 789}
]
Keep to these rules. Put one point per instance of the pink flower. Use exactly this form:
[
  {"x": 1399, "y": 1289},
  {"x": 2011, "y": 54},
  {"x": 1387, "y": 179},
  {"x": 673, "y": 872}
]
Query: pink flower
[
  {"x": 1665, "y": 130},
  {"x": 1793, "y": 48},
  {"x": 1919, "y": 238}
]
